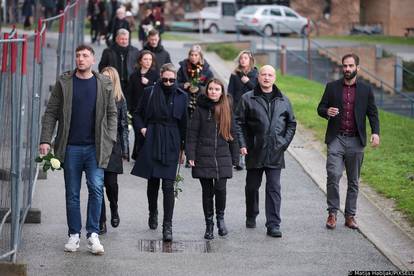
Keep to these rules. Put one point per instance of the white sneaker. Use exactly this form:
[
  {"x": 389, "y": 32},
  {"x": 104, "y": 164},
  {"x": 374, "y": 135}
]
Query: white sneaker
[
  {"x": 73, "y": 243},
  {"x": 94, "y": 245}
]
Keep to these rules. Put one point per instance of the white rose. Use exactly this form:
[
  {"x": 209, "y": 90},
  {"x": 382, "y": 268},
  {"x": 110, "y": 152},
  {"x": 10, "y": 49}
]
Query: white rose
[{"x": 55, "y": 163}]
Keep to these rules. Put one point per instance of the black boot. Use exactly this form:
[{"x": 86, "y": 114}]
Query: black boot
[
  {"x": 167, "y": 232},
  {"x": 222, "y": 229},
  {"x": 208, "y": 207},
  {"x": 153, "y": 220},
  {"x": 115, "y": 217},
  {"x": 220, "y": 207},
  {"x": 209, "y": 235},
  {"x": 102, "y": 228}
]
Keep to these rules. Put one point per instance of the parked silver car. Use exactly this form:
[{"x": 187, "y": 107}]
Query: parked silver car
[{"x": 270, "y": 19}]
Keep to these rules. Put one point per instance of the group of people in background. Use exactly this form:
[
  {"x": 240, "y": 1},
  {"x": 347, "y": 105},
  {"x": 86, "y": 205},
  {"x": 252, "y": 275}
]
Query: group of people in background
[{"x": 189, "y": 114}]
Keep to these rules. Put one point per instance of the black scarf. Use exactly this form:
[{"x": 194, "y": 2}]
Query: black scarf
[
  {"x": 159, "y": 115},
  {"x": 159, "y": 109}
]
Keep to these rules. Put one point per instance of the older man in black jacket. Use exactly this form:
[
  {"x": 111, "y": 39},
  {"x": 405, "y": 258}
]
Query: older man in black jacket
[
  {"x": 265, "y": 127},
  {"x": 345, "y": 104},
  {"x": 122, "y": 56}
]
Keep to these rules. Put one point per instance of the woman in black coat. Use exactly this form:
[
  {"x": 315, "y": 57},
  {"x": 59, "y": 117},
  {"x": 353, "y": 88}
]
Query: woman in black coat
[
  {"x": 211, "y": 150},
  {"x": 162, "y": 120},
  {"x": 145, "y": 75},
  {"x": 120, "y": 151},
  {"x": 193, "y": 75},
  {"x": 242, "y": 80}
]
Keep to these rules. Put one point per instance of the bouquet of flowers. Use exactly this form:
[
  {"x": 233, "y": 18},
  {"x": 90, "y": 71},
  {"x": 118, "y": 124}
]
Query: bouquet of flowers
[
  {"x": 196, "y": 78},
  {"x": 49, "y": 162},
  {"x": 177, "y": 188}
]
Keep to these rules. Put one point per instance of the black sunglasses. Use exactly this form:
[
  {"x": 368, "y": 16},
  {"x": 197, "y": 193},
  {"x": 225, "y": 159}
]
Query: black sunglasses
[{"x": 171, "y": 80}]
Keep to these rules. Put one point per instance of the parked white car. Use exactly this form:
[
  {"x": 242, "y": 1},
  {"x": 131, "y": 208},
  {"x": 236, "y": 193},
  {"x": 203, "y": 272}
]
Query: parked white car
[
  {"x": 218, "y": 15},
  {"x": 270, "y": 19}
]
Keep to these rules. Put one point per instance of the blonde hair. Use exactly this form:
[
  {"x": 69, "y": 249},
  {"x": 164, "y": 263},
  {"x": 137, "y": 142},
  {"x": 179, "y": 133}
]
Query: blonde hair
[
  {"x": 197, "y": 48},
  {"x": 238, "y": 68},
  {"x": 116, "y": 83}
]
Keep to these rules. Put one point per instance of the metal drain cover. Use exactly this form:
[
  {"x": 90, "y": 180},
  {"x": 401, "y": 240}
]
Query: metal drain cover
[{"x": 159, "y": 246}]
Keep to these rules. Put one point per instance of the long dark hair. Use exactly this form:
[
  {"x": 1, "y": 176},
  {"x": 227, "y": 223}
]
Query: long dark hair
[
  {"x": 222, "y": 111},
  {"x": 141, "y": 55}
]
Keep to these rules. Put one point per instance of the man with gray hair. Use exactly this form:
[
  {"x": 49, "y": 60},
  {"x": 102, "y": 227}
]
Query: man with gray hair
[{"x": 122, "y": 56}]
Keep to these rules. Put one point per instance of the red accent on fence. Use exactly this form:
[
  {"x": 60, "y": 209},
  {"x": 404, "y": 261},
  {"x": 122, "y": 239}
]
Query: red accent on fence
[
  {"x": 24, "y": 55},
  {"x": 39, "y": 24},
  {"x": 62, "y": 22},
  {"x": 13, "y": 61},
  {"x": 37, "y": 47},
  {"x": 5, "y": 54},
  {"x": 75, "y": 12}
]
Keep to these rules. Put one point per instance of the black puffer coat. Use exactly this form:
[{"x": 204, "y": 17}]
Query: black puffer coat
[
  {"x": 265, "y": 128},
  {"x": 213, "y": 155}
]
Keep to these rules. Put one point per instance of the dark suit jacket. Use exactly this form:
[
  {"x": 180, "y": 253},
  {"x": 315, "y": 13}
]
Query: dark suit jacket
[{"x": 364, "y": 107}]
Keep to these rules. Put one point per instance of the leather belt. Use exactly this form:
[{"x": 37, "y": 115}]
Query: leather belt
[{"x": 348, "y": 134}]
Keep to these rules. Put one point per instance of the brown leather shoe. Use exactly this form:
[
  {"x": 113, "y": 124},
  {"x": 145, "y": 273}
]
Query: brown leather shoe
[
  {"x": 350, "y": 222},
  {"x": 331, "y": 221}
]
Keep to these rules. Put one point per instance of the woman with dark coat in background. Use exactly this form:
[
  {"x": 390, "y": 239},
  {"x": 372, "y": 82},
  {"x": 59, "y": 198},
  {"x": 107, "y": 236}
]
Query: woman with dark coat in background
[
  {"x": 145, "y": 75},
  {"x": 211, "y": 149},
  {"x": 242, "y": 80},
  {"x": 161, "y": 118},
  {"x": 120, "y": 151}
]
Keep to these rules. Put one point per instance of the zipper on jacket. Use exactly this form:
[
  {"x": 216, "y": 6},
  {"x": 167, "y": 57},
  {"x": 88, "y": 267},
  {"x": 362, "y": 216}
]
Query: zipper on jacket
[
  {"x": 215, "y": 152},
  {"x": 122, "y": 67}
]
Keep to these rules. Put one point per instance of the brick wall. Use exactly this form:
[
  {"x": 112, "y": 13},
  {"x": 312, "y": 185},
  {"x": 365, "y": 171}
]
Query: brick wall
[
  {"x": 376, "y": 11},
  {"x": 343, "y": 14},
  {"x": 382, "y": 68},
  {"x": 402, "y": 16}
]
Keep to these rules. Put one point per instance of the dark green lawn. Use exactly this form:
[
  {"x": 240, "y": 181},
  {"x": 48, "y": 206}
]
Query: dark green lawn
[{"x": 388, "y": 168}]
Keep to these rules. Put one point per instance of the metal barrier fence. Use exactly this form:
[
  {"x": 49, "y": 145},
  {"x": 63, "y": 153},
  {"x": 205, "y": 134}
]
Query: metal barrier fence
[
  {"x": 306, "y": 62},
  {"x": 23, "y": 92}
]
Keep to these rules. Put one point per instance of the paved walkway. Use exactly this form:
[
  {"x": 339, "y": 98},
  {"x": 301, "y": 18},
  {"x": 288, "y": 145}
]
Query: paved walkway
[{"x": 307, "y": 247}]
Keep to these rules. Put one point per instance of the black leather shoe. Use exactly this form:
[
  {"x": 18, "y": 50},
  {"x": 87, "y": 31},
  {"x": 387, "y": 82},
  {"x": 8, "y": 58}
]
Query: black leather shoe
[
  {"x": 167, "y": 233},
  {"x": 102, "y": 228},
  {"x": 238, "y": 168},
  {"x": 115, "y": 219},
  {"x": 209, "y": 235},
  {"x": 251, "y": 222},
  {"x": 274, "y": 232},
  {"x": 222, "y": 229},
  {"x": 153, "y": 220}
]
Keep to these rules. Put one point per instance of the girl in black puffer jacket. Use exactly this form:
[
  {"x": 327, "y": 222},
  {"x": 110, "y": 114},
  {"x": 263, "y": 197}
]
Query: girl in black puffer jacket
[{"x": 212, "y": 150}]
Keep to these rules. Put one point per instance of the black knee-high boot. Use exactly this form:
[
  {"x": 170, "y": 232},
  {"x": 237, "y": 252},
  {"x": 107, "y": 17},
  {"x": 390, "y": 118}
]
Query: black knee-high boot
[
  {"x": 220, "y": 193},
  {"x": 152, "y": 194},
  {"x": 168, "y": 202},
  {"x": 208, "y": 206},
  {"x": 111, "y": 186}
]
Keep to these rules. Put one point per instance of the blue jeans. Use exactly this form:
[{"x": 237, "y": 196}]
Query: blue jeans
[{"x": 80, "y": 159}]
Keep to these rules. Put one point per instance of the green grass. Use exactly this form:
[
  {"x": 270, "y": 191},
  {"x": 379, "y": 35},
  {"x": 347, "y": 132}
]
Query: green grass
[
  {"x": 388, "y": 168},
  {"x": 374, "y": 39},
  {"x": 178, "y": 37},
  {"x": 224, "y": 50}
]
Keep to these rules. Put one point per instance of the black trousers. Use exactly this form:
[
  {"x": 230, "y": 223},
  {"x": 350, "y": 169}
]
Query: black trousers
[
  {"x": 111, "y": 187},
  {"x": 210, "y": 188},
  {"x": 168, "y": 199},
  {"x": 273, "y": 198}
]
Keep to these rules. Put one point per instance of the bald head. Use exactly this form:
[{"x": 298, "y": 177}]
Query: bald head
[{"x": 266, "y": 78}]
